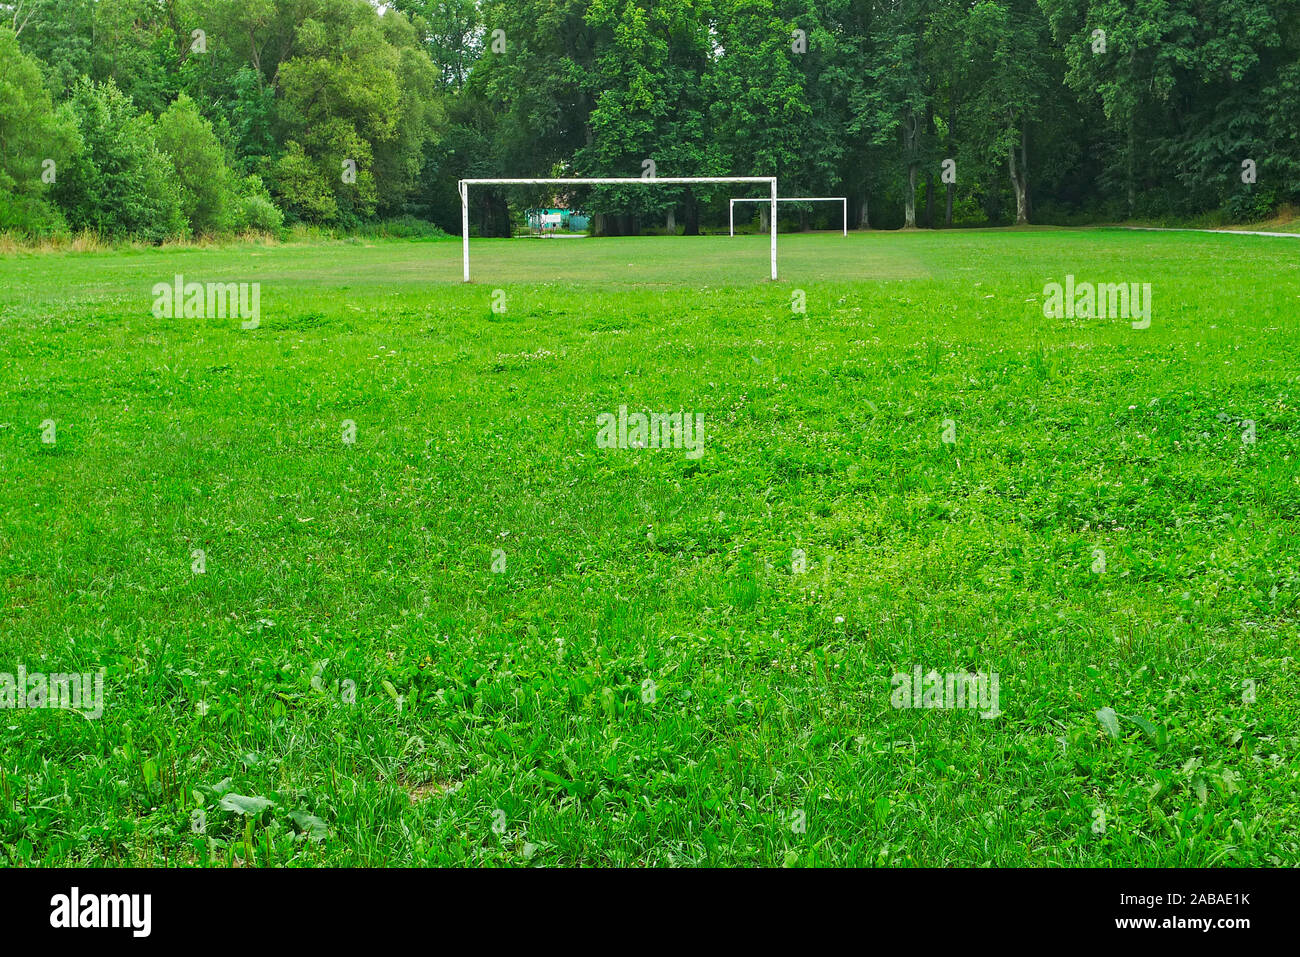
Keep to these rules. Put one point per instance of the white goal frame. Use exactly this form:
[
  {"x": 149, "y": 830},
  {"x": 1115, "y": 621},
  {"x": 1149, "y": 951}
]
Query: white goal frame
[
  {"x": 464, "y": 185},
  {"x": 843, "y": 200}
]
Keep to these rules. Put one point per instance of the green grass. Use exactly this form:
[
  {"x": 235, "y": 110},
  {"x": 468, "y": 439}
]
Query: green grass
[{"x": 368, "y": 565}]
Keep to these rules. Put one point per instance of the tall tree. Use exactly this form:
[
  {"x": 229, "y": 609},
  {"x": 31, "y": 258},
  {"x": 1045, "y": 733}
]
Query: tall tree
[{"x": 35, "y": 140}]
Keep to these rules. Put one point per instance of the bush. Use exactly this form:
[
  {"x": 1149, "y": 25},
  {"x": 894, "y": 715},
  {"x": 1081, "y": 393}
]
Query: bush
[
  {"x": 259, "y": 213},
  {"x": 302, "y": 187},
  {"x": 1252, "y": 205},
  {"x": 119, "y": 184},
  {"x": 206, "y": 186},
  {"x": 31, "y": 216},
  {"x": 403, "y": 227},
  {"x": 254, "y": 209},
  {"x": 35, "y": 140}
]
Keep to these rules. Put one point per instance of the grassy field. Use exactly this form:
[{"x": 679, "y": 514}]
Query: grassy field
[{"x": 652, "y": 678}]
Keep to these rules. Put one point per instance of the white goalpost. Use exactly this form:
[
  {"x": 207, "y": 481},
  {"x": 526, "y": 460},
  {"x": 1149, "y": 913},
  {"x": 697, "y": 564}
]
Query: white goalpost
[
  {"x": 464, "y": 185},
  {"x": 842, "y": 200}
]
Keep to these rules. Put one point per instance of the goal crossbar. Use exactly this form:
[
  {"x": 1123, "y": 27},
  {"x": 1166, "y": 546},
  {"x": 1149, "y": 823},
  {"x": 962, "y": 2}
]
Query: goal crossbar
[
  {"x": 464, "y": 185},
  {"x": 843, "y": 200}
]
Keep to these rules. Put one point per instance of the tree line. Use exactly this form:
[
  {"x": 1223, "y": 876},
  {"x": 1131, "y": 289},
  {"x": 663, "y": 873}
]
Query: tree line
[{"x": 152, "y": 119}]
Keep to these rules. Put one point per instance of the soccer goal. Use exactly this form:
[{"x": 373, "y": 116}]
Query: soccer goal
[
  {"x": 842, "y": 200},
  {"x": 465, "y": 184}
]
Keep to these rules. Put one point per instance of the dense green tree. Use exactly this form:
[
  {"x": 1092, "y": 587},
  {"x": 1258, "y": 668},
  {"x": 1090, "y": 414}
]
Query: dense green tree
[
  {"x": 119, "y": 183},
  {"x": 421, "y": 118},
  {"x": 1004, "y": 88},
  {"x": 358, "y": 100},
  {"x": 764, "y": 112},
  {"x": 923, "y": 112},
  {"x": 207, "y": 196},
  {"x": 526, "y": 105},
  {"x": 647, "y": 108},
  {"x": 1181, "y": 88},
  {"x": 60, "y": 34},
  {"x": 893, "y": 105},
  {"x": 35, "y": 141},
  {"x": 452, "y": 34}
]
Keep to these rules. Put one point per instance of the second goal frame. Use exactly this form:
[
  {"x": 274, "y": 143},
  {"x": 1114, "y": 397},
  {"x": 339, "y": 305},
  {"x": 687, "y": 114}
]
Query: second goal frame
[
  {"x": 842, "y": 200},
  {"x": 464, "y": 185}
]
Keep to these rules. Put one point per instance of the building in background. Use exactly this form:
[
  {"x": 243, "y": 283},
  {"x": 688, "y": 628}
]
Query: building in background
[{"x": 544, "y": 221}]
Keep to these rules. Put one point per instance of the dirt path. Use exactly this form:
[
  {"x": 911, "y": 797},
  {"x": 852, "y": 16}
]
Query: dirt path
[{"x": 1186, "y": 229}]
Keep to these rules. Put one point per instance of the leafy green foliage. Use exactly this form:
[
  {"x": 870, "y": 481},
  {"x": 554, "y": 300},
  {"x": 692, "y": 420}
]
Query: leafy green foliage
[
  {"x": 835, "y": 97},
  {"x": 119, "y": 183},
  {"x": 304, "y": 187},
  {"x": 206, "y": 185},
  {"x": 34, "y": 140},
  {"x": 255, "y": 209}
]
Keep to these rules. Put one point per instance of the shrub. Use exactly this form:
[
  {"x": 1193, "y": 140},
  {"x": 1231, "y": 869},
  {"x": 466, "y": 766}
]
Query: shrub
[
  {"x": 254, "y": 209},
  {"x": 35, "y": 141},
  {"x": 403, "y": 227},
  {"x": 31, "y": 216},
  {"x": 259, "y": 213},
  {"x": 302, "y": 187},
  {"x": 206, "y": 186},
  {"x": 119, "y": 184}
]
